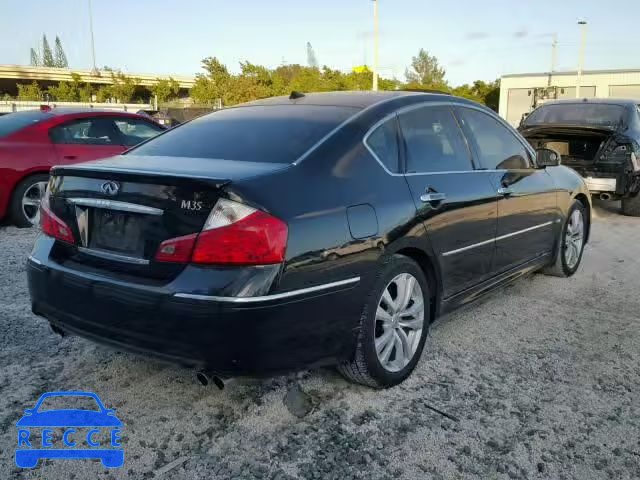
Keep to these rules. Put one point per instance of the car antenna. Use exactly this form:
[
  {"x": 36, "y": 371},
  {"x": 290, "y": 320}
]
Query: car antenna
[{"x": 296, "y": 95}]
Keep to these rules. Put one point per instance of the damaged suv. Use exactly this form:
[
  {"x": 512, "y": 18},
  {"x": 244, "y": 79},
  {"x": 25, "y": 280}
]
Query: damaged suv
[{"x": 599, "y": 138}]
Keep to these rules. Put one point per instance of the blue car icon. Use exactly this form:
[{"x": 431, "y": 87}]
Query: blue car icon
[{"x": 104, "y": 418}]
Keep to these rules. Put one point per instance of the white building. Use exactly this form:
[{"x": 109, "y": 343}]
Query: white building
[{"x": 517, "y": 92}]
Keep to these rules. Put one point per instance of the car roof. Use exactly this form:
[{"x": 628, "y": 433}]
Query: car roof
[
  {"x": 601, "y": 101},
  {"x": 60, "y": 111},
  {"x": 352, "y": 99}
]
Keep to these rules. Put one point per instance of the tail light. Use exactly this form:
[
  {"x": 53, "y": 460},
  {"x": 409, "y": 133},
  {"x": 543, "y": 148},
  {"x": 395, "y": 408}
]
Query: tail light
[
  {"x": 234, "y": 234},
  {"x": 52, "y": 225}
]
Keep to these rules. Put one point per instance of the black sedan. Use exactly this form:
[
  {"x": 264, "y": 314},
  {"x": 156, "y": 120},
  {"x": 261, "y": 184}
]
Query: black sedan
[
  {"x": 599, "y": 138},
  {"x": 294, "y": 232}
]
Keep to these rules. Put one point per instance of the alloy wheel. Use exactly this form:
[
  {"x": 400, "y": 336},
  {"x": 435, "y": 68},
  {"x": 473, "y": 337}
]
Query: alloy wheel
[
  {"x": 574, "y": 239},
  {"x": 31, "y": 202},
  {"x": 399, "y": 322}
]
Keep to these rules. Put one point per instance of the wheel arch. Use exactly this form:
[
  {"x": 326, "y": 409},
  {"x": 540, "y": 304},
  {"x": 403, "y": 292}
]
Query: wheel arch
[
  {"x": 428, "y": 265},
  {"x": 584, "y": 200}
]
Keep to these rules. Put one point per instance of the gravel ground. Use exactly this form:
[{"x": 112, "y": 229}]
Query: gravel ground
[{"x": 539, "y": 380}]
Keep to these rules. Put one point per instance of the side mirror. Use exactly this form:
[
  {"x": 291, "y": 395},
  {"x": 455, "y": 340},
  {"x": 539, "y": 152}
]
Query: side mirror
[{"x": 545, "y": 157}]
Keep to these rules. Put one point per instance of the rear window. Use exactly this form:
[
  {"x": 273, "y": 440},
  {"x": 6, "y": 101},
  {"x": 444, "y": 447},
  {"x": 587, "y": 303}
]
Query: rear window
[
  {"x": 273, "y": 134},
  {"x": 578, "y": 114},
  {"x": 13, "y": 122}
]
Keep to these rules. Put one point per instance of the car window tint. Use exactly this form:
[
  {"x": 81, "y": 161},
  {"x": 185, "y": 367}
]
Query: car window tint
[
  {"x": 578, "y": 114},
  {"x": 433, "y": 141},
  {"x": 498, "y": 148},
  {"x": 87, "y": 131},
  {"x": 133, "y": 131},
  {"x": 67, "y": 402},
  {"x": 256, "y": 133},
  {"x": 383, "y": 141}
]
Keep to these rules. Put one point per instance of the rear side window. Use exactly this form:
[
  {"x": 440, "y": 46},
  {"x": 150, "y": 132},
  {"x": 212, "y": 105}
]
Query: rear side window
[
  {"x": 273, "y": 134},
  {"x": 12, "y": 122},
  {"x": 433, "y": 141},
  {"x": 86, "y": 131},
  {"x": 498, "y": 148},
  {"x": 383, "y": 142},
  {"x": 133, "y": 131}
]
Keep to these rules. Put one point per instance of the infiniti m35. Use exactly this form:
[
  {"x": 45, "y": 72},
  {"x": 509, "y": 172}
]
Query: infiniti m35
[{"x": 294, "y": 232}]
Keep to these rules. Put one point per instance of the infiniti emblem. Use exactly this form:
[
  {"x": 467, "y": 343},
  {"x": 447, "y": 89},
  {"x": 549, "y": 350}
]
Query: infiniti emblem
[{"x": 110, "y": 188}]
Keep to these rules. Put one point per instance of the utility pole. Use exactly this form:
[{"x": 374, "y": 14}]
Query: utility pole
[
  {"x": 554, "y": 56},
  {"x": 93, "y": 47},
  {"x": 583, "y": 41},
  {"x": 375, "y": 45}
]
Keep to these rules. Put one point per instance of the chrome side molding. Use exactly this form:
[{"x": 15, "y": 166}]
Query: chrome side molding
[
  {"x": 266, "y": 298},
  {"x": 496, "y": 239}
]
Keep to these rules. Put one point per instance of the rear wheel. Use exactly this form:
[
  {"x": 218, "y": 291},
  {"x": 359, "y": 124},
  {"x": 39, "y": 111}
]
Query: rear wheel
[
  {"x": 393, "y": 326},
  {"x": 631, "y": 206},
  {"x": 571, "y": 243},
  {"x": 25, "y": 202}
]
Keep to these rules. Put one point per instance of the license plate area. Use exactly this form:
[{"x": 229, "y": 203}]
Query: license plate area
[{"x": 117, "y": 232}]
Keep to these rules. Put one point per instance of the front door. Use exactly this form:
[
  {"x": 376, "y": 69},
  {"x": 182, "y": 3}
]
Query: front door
[
  {"x": 528, "y": 218},
  {"x": 86, "y": 139},
  {"x": 456, "y": 203}
]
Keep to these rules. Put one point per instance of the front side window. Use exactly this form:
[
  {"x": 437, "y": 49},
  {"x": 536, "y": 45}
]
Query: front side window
[
  {"x": 383, "y": 141},
  {"x": 433, "y": 141},
  {"x": 86, "y": 131},
  {"x": 133, "y": 131},
  {"x": 498, "y": 148}
]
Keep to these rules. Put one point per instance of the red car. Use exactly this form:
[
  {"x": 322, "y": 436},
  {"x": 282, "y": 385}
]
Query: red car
[{"x": 31, "y": 142}]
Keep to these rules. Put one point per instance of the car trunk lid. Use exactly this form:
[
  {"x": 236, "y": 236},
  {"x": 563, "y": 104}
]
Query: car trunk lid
[{"x": 121, "y": 209}]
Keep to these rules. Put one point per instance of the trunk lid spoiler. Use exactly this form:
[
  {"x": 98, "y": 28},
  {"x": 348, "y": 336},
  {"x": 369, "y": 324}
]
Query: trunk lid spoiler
[{"x": 156, "y": 169}]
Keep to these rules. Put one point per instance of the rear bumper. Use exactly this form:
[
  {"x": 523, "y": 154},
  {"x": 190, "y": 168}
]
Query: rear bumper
[
  {"x": 596, "y": 184},
  {"x": 229, "y": 336}
]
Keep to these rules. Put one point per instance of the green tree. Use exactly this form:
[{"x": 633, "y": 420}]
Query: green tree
[
  {"x": 123, "y": 87},
  {"x": 29, "y": 91},
  {"x": 74, "y": 91},
  {"x": 425, "y": 70},
  {"x": 35, "y": 59},
  {"x": 61, "y": 58},
  {"x": 214, "y": 84},
  {"x": 165, "y": 89},
  {"x": 47, "y": 55},
  {"x": 481, "y": 92}
]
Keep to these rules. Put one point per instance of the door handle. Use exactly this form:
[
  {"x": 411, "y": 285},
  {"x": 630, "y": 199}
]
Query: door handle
[
  {"x": 70, "y": 157},
  {"x": 432, "y": 197},
  {"x": 505, "y": 191}
]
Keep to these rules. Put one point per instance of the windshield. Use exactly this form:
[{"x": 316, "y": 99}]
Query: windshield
[
  {"x": 12, "y": 122},
  {"x": 598, "y": 114},
  {"x": 67, "y": 402},
  {"x": 274, "y": 134}
]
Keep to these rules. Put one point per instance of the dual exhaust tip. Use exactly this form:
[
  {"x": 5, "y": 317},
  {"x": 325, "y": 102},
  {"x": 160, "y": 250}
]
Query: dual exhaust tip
[{"x": 205, "y": 378}]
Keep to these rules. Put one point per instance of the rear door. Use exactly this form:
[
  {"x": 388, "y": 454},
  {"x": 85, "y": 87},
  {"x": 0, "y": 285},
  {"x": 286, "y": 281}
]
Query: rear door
[
  {"x": 456, "y": 203},
  {"x": 527, "y": 207},
  {"x": 85, "y": 139}
]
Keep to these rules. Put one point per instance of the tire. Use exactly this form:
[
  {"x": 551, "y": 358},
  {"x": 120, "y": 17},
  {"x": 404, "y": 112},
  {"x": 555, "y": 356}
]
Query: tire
[
  {"x": 568, "y": 258},
  {"x": 631, "y": 206},
  {"x": 19, "y": 215},
  {"x": 366, "y": 367}
]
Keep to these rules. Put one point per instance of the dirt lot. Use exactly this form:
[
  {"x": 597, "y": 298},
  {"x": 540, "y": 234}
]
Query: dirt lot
[{"x": 542, "y": 380}]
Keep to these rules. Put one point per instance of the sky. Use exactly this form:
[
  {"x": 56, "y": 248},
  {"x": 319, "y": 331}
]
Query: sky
[{"x": 472, "y": 39}]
